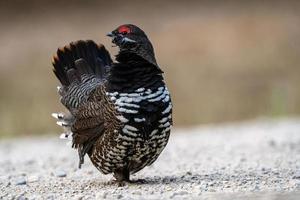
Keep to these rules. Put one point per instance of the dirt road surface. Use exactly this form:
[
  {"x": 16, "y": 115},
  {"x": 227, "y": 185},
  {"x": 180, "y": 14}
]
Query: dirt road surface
[{"x": 258, "y": 159}]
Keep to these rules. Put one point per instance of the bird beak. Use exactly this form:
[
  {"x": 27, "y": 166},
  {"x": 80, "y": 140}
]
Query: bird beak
[{"x": 110, "y": 34}]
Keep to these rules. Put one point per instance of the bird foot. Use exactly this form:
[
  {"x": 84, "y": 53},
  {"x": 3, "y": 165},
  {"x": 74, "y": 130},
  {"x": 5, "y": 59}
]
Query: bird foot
[
  {"x": 120, "y": 183},
  {"x": 123, "y": 183}
]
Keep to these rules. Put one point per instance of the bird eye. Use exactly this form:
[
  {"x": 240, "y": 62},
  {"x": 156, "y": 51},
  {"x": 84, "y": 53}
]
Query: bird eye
[{"x": 124, "y": 32}]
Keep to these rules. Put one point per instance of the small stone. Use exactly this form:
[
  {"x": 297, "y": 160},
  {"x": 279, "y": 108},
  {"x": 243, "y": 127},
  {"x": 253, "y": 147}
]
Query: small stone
[
  {"x": 137, "y": 193},
  {"x": 211, "y": 183},
  {"x": 276, "y": 172},
  {"x": 272, "y": 143},
  {"x": 34, "y": 197},
  {"x": 79, "y": 197},
  {"x": 21, "y": 197},
  {"x": 296, "y": 175},
  {"x": 181, "y": 193},
  {"x": 60, "y": 173},
  {"x": 189, "y": 173},
  {"x": 30, "y": 162},
  {"x": 101, "y": 195},
  {"x": 256, "y": 188},
  {"x": 168, "y": 188},
  {"x": 33, "y": 178},
  {"x": 8, "y": 184},
  {"x": 21, "y": 181},
  {"x": 50, "y": 197}
]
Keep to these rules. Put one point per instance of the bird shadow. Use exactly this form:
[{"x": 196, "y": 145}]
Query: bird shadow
[
  {"x": 173, "y": 179},
  {"x": 188, "y": 177}
]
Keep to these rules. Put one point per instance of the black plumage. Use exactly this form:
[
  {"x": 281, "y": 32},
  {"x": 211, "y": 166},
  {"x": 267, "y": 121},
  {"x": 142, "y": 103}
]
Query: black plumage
[{"x": 120, "y": 112}]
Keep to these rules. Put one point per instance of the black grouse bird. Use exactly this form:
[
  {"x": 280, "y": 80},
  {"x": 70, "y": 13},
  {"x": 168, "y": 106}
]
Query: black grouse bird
[{"x": 120, "y": 112}]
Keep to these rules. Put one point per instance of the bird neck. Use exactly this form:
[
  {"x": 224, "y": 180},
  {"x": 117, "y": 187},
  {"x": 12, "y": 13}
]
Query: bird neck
[{"x": 132, "y": 72}]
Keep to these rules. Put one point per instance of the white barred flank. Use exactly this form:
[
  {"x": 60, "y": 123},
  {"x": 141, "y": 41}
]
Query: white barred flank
[
  {"x": 155, "y": 94},
  {"x": 130, "y": 94},
  {"x": 140, "y": 90},
  {"x": 124, "y": 110},
  {"x": 153, "y": 132},
  {"x": 166, "y": 99},
  {"x": 128, "y": 132},
  {"x": 140, "y": 95},
  {"x": 167, "y": 129},
  {"x": 128, "y": 102},
  {"x": 113, "y": 98},
  {"x": 139, "y": 119},
  {"x": 121, "y": 104},
  {"x": 168, "y": 109},
  {"x": 112, "y": 94},
  {"x": 122, "y": 118},
  {"x": 130, "y": 137},
  {"x": 158, "y": 98},
  {"x": 148, "y": 91},
  {"x": 131, "y": 128},
  {"x": 163, "y": 120},
  {"x": 165, "y": 125}
]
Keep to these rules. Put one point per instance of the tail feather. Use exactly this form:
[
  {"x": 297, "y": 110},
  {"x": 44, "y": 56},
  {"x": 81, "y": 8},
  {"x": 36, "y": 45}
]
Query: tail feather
[
  {"x": 79, "y": 58},
  {"x": 83, "y": 67},
  {"x": 80, "y": 67}
]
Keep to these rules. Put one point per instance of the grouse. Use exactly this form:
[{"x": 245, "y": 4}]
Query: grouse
[{"x": 120, "y": 113}]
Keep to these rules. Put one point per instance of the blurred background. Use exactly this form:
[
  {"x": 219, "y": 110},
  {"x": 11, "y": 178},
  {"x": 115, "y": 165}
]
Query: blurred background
[{"x": 223, "y": 60}]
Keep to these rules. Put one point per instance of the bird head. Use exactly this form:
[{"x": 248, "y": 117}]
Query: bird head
[{"x": 129, "y": 37}]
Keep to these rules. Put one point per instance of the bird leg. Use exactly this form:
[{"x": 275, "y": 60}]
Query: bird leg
[{"x": 122, "y": 177}]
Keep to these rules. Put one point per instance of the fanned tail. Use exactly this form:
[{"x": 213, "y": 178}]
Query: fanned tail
[
  {"x": 80, "y": 67},
  {"x": 79, "y": 58}
]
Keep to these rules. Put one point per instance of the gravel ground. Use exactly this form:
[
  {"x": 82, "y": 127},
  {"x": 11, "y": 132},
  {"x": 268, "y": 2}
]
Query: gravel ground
[{"x": 258, "y": 159}]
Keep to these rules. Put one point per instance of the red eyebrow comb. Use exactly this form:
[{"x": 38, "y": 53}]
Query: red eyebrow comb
[{"x": 124, "y": 29}]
